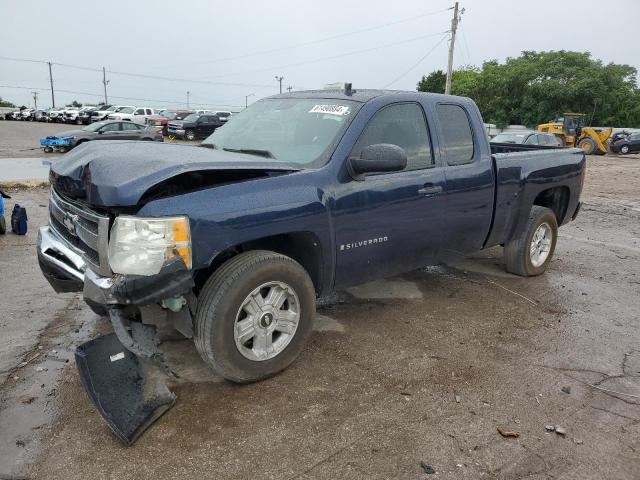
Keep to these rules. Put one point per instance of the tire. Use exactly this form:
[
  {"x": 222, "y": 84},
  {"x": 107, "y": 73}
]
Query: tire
[
  {"x": 48, "y": 149},
  {"x": 190, "y": 135},
  {"x": 517, "y": 253},
  {"x": 587, "y": 145},
  {"x": 3, "y": 225},
  {"x": 220, "y": 308},
  {"x": 62, "y": 149},
  {"x": 624, "y": 149}
]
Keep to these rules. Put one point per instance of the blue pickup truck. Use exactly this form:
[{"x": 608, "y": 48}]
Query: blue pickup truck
[{"x": 231, "y": 242}]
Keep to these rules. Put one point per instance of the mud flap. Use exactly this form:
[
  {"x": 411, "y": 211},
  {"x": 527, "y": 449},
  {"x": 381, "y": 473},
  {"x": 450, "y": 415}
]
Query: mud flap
[{"x": 128, "y": 391}]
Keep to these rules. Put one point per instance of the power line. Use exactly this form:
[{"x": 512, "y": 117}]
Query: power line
[
  {"x": 75, "y": 92},
  {"x": 417, "y": 63},
  {"x": 313, "y": 42},
  {"x": 332, "y": 57}
]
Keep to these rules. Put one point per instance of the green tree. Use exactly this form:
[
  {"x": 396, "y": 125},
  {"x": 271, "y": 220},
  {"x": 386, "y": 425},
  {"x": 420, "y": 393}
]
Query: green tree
[
  {"x": 76, "y": 103},
  {"x": 537, "y": 86},
  {"x": 4, "y": 103},
  {"x": 434, "y": 82}
]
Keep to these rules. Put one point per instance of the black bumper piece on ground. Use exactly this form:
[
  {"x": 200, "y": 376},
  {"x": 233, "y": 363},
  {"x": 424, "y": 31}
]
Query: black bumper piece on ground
[{"x": 128, "y": 391}]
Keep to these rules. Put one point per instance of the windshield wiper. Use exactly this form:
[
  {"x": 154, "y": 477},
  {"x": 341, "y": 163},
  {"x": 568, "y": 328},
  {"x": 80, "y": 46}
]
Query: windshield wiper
[
  {"x": 251, "y": 151},
  {"x": 209, "y": 145}
]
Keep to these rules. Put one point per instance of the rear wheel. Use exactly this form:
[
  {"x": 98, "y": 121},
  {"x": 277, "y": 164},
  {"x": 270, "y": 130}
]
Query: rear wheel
[
  {"x": 530, "y": 254},
  {"x": 587, "y": 145},
  {"x": 190, "y": 135},
  {"x": 254, "y": 315}
]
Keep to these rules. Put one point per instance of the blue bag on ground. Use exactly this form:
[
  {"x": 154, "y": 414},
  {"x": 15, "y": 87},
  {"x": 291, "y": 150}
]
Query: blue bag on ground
[{"x": 19, "y": 220}]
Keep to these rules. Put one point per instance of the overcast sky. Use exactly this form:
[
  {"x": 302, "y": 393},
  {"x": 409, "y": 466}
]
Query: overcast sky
[{"x": 239, "y": 46}]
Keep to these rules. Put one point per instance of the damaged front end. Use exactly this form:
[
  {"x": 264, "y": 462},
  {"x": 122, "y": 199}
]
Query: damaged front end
[{"x": 124, "y": 372}]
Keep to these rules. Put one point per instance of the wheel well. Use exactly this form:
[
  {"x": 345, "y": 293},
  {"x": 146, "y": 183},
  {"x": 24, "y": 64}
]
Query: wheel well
[
  {"x": 303, "y": 247},
  {"x": 557, "y": 199}
]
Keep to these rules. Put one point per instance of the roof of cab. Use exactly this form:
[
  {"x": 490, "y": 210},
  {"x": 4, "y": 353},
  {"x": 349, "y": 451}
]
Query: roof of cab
[{"x": 358, "y": 95}]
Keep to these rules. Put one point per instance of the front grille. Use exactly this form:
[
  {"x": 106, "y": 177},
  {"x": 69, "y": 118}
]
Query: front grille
[{"x": 84, "y": 231}]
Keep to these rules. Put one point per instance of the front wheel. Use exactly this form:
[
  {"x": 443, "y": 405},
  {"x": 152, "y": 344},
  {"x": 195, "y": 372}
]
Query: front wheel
[
  {"x": 530, "y": 254},
  {"x": 624, "y": 149},
  {"x": 190, "y": 135},
  {"x": 587, "y": 145},
  {"x": 254, "y": 316},
  {"x": 3, "y": 225}
]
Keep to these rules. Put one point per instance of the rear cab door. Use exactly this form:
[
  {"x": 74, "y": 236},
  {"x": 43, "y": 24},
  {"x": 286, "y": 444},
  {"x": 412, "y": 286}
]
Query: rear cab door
[{"x": 470, "y": 182}]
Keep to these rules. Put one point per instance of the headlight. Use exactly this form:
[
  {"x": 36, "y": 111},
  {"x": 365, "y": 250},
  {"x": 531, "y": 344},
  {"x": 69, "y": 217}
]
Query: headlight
[{"x": 141, "y": 246}]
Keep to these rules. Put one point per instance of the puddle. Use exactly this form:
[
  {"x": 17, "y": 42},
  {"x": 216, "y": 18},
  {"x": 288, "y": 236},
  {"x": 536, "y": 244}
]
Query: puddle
[{"x": 16, "y": 169}]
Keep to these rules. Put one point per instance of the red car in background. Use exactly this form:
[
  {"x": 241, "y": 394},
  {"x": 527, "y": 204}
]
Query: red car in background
[{"x": 165, "y": 117}]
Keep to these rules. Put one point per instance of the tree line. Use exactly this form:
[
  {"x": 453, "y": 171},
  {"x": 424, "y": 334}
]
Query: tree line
[{"x": 538, "y": 86}]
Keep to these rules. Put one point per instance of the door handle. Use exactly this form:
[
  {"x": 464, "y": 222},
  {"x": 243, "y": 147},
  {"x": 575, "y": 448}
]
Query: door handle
[{"x": 430, "y": 190}]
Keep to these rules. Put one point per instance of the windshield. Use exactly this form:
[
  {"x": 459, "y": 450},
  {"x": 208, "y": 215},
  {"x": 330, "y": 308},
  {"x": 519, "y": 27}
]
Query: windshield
[
  {"x": 290, "y": 130},
  {"x": 191, "y": 118},
  {"x": 126, "y": 110},
  {"x": 93, "y": 127},
  {"x": 510, "y": 138}
]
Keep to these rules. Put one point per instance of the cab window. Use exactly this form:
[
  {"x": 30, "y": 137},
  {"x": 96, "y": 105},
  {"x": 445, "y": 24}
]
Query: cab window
[
  {"x": 456, "y": 133},
  {"x": 402, "y": 125}
]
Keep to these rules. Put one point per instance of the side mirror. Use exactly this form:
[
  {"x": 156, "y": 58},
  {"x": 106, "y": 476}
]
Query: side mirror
[
  {"x": 100, "y": 132},
  {"x": 378, "y": 158}
]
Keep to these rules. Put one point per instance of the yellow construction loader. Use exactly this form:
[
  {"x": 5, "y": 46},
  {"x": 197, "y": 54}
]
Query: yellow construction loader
[{"x": 571, "y": 130}]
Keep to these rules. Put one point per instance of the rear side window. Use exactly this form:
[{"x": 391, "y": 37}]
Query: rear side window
[
  {"x": 402, "y": 125},
  {"x": 456, "y": 130}
]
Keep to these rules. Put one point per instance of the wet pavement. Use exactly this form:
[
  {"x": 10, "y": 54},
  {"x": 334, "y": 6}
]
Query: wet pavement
[{"x": 400, "y": 376}]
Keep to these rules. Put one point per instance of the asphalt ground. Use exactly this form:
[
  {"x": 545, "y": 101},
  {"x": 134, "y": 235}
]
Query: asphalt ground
[{"x": 401, "y": 376}]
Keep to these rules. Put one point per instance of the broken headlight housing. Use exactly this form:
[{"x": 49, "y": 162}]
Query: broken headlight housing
[{"x": 141, "y": 246}]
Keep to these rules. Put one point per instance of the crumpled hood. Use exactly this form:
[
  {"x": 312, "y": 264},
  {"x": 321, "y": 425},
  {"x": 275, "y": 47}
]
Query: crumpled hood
[{"x": 118, "y": 173}]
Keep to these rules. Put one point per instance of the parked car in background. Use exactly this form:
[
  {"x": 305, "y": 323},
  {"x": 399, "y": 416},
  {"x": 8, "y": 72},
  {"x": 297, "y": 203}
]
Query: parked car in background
[
  {"x": 27, "y": 114},
  {"x": 629, "y": 143},
  {"x": 224, "y": 115},
  {"x": 84, "y": 115},
  {"x": 194, "y": 126},
  {"x": 133, "y": 114},
  {"x": 105, "y": 111},
  {"x": 528, "y": 137},
  {"x": 71, "y": 114},
  {"x": 111, "y": 130},
  {"x": 161, "y": 120},
  {"x": 56, "y": 115}
]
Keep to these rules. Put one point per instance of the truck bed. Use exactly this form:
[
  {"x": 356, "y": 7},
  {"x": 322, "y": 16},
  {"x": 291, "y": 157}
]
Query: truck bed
[{"x": 525, "y": 175}]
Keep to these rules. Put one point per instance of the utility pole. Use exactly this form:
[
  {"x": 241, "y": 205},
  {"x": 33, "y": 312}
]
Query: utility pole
[
  {"x": 35, "y": 100},
  {"x": 289, "y": 88},
  {"x": 279, "y": 79},
  {"x": 105, "y": 82},
  {"x": 454, "y": 27},
  {"x": 188, "y": 93},
  {"x": 53, "y": 99},
  {"x": 246, "y": 99}
]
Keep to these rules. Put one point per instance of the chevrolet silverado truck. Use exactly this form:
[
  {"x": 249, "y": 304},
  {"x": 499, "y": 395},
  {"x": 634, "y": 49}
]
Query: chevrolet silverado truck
[{"x": 230, "y": 243}]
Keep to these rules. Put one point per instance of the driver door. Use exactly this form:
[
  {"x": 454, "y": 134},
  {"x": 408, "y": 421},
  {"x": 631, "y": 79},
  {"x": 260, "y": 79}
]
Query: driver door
[{"x": 390, "y": 222}]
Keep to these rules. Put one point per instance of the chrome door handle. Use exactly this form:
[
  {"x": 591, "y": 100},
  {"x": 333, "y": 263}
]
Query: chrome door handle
[{"x": 430, "y": 190}]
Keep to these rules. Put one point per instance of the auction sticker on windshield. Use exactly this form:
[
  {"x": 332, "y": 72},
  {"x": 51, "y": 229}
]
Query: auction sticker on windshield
[{"x": 331, "y": 109}]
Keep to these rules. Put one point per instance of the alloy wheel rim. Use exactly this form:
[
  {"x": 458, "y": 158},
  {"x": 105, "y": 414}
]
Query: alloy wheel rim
[
  {"x": 540, "y": 245},
  {"x": 267, "y": 321}
]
